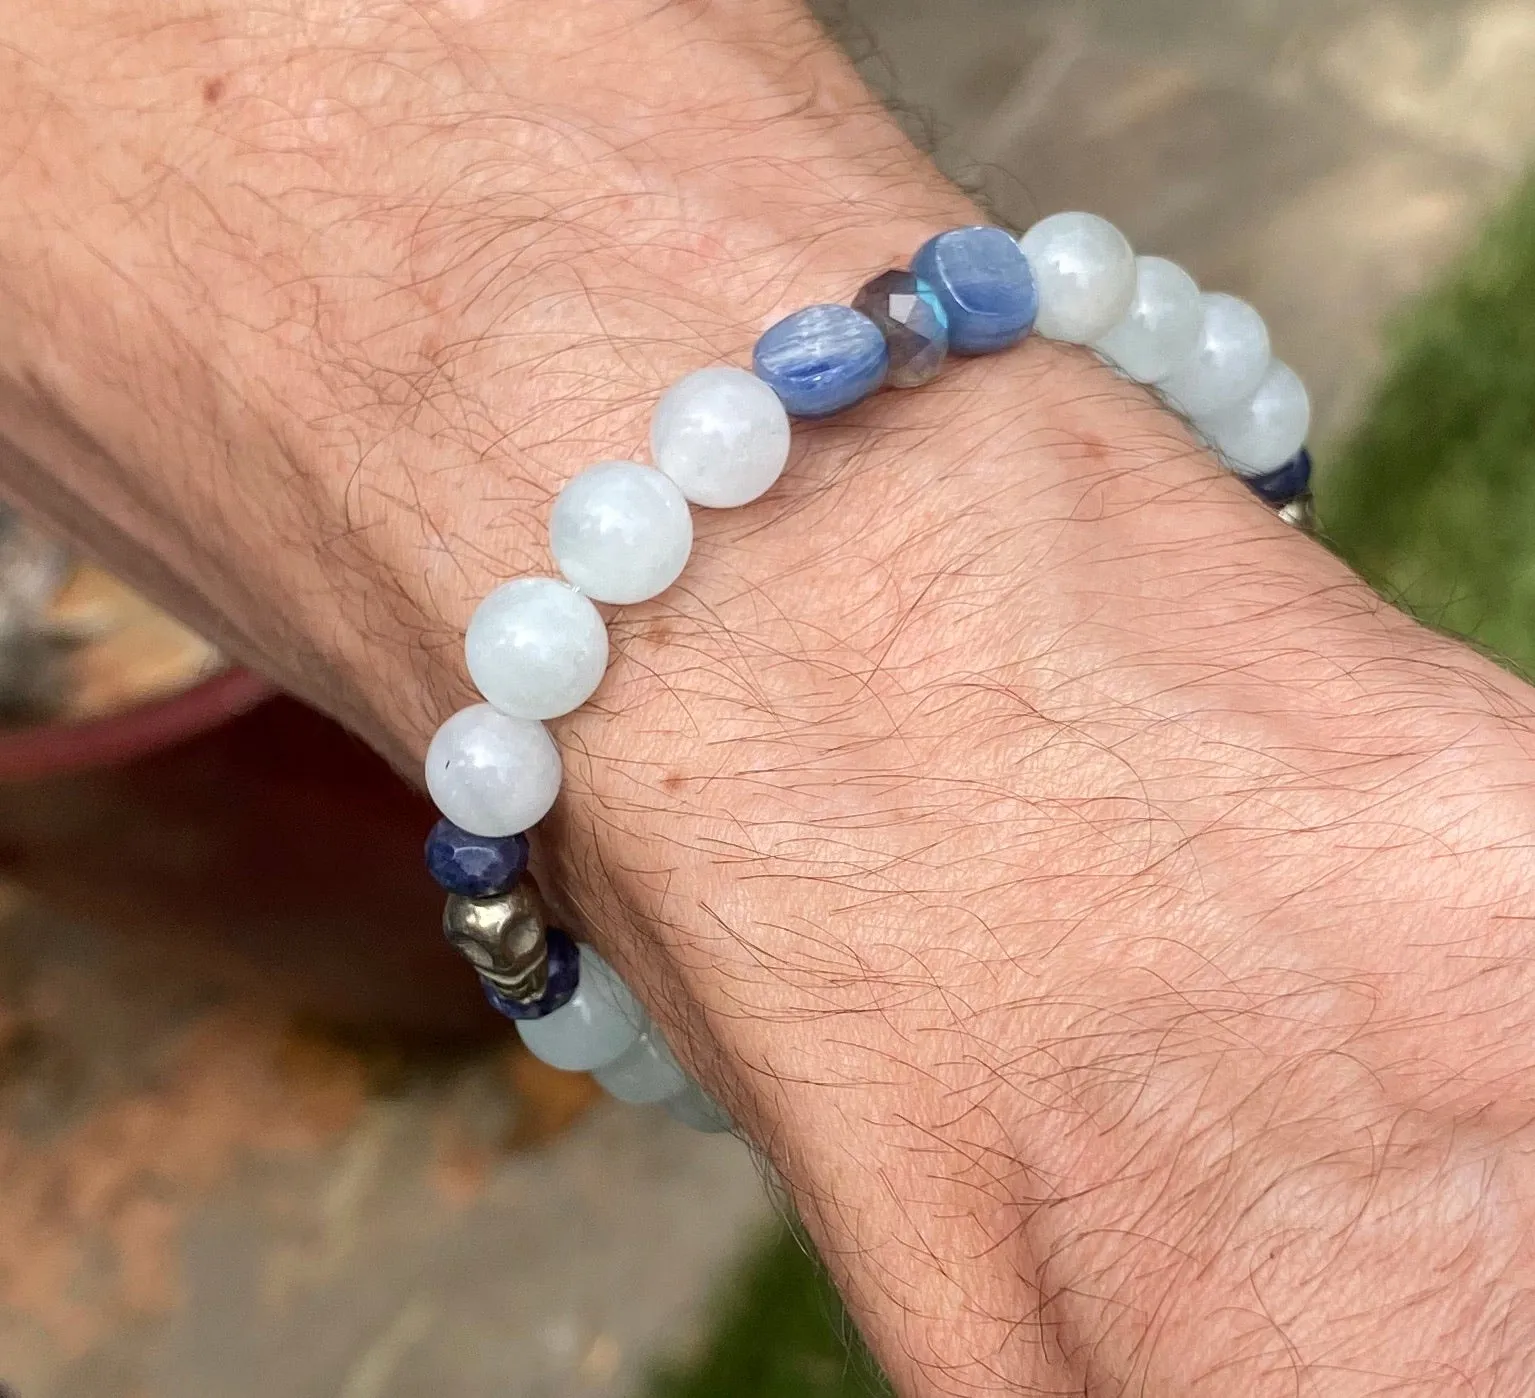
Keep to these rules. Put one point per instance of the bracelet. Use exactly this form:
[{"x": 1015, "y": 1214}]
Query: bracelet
[{"x": 621, "y": 532}]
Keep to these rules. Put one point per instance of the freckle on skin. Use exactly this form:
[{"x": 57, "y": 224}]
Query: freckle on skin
[{"x": 213, "y": 89}]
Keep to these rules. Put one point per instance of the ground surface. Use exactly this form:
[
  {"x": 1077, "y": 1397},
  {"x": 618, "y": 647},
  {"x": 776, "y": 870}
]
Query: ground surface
[{"x": 199, "y": 1197}]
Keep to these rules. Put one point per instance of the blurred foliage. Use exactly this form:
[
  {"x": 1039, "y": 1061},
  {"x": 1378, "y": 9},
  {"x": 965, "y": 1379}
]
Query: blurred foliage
[
  {"x": 780, "y": 1333},
  {"x": 1433, "y": 496}
]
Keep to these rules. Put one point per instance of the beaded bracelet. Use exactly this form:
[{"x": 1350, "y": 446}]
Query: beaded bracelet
[{"x": 621, "y": 532}]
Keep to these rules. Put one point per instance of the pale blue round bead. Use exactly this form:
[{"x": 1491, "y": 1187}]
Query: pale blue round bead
[
  {"x": 695, "y": 1108},
  {"x": 822, "y": 359},
  {"x": 646, "y": 1073},
  {"x": 597, "y": 1026},
  {"x": 985, "y": 284}
]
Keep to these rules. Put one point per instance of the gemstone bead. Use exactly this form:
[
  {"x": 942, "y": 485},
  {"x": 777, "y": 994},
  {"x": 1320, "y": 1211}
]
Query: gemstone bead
[
  {"x": 646, "y": 1073},
  {"x": 474, "y": 866},
  {"x": 914, "y": 323},
  {"x": 1084, "y": 269},
  {"x": 1266, "y": 430},
  {"x": 1229, "y": 360},
  {"x": 621, "y": 532},
  {"x": 536, "y": 648},
  {"x": 491, "y": 774},
  {"x": 600, "y": 1023},
  {"x": 985, "y": 285},
  {"x": 564, "y": 976},
  {"x": 1161, "y": 330},
  {"x": 694, "y": 1108},
  {"x": 504, "y": 937},
  {"x": 1288, "y": 483},
  {"x": 722, "y": 435},
  {"x": 822, "y": 360}
]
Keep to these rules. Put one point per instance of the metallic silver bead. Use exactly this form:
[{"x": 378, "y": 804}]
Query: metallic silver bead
[
  {"x": 1300, "y": 513},
  {"x": 503, "y": 939}
]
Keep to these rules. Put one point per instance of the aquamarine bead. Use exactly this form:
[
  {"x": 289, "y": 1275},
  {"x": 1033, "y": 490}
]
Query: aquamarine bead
[
  {"x": 985, "y": 284},
  {"x": 647, "y": 1073},
  {"x": 597, "y": 1026},
  {"x": 695, "y": 1108},
  {"x": 822, "y": 360}
]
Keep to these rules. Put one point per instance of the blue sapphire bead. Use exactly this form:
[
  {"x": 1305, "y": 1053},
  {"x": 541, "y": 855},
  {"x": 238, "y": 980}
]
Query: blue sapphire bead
[
  {"x": 914, "y": 323},
  {"x": 564, "y": 977},
  {"x": 821, "y": 360},
  {"x": 1290, "y": 481},
  {"x": 474, "y": 866},
  {"x": 985, "y": 284}
]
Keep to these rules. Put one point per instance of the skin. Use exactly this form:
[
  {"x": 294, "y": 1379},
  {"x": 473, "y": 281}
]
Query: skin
[{"x": 1108, "y": 916}]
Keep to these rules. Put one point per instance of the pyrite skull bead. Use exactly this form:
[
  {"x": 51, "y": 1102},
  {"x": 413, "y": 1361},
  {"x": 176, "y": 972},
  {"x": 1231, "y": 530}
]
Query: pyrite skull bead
[{"x": 503, "y": 938}]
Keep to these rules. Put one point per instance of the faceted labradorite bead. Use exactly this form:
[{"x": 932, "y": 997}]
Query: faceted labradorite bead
[
  {"x": 1288, "y": 483},
  {"x": 914, "y": 323},
  {"x": 564, "y": 977},
  {"x": 600, "y": 1023},
  {"x": 821, "y": 360},
  {"x": 646, "y": 1073},
  {"x": 490, "y": 774},
  {"x": 1085, "y": 271},
  {"x": 474, "y": 866},
  {"x": 985, "y": 285}
]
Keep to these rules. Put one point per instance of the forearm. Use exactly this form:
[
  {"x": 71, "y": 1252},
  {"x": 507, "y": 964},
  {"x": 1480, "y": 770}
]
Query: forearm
[
  {"x": 411, "y": 268},
  {"x": 981, "y": 808}
]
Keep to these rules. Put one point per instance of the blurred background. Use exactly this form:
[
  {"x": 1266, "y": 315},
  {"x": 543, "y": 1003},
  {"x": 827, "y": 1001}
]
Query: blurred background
[{"x": 257, "y": 1133}]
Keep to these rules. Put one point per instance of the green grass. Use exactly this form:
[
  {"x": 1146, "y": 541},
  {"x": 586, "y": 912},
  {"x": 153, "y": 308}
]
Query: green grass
[
  {"x": 1433, "y": 496},
  {"x": 781, "y": 1333},
  {"x": 1433, "y": 499}
]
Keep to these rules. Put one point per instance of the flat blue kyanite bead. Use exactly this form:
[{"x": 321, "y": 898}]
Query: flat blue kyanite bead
[
  {"x": 564, "y": 977},
  {"x": 985, "y": 284},
  {"x": 822, "y": 359},
  {"x": 474, "y": 866},
  {"x": 1284, "y": 485}
]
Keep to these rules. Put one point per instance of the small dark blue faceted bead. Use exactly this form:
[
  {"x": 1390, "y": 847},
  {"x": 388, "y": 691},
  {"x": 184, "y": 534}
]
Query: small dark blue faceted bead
[
  {"x": 985, "y": 284},
  {"x": 474, "y": 866},
  {"x": 564, "y": 977},
  {"x": 914, "y": 323},
  {"x": 1284, "y": 485},
  {"x": 821, "y": 360}
]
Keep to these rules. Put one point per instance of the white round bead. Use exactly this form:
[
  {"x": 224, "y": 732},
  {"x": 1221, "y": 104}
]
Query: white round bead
[
  {"x": 1228, "y": 363},
  {"x": 722, "y": 435},
  {"x": 1161, "y": 331},
  {"x": 1084, "y": 270},
  {"x": 621, "y": 532},
  {"x": 536, "y": 648},
  {"x": 491, "y": 774},
  {"x": 1268, "y": 429},
  {"x": 695, "y": 1108},
  {"x": 646, "y": 1073},
  {"x": 597, "y": 1026}
]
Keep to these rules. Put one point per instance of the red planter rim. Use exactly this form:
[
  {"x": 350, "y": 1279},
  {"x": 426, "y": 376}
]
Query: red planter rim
[{"x": 27, "y": 754}]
